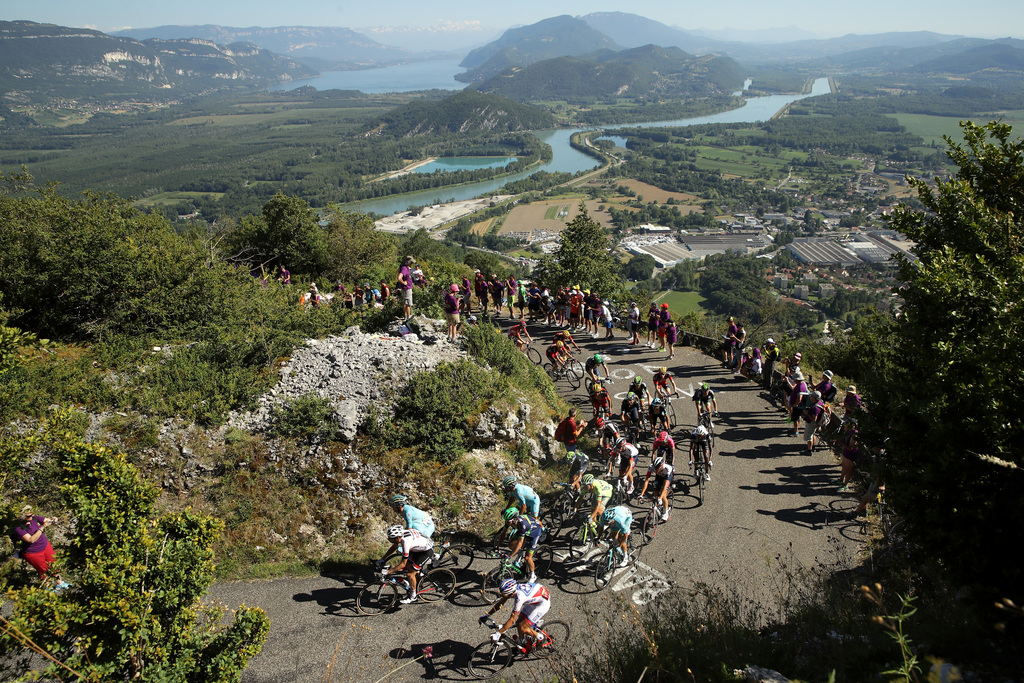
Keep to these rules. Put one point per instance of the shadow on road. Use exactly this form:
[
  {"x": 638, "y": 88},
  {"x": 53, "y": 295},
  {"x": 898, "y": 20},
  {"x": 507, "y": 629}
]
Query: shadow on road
[{"x": 444, "y": 660}]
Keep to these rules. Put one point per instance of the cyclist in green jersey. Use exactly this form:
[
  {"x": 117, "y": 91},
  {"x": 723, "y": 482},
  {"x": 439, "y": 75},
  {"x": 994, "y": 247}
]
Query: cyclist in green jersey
[{"x": 602, "y": 491}]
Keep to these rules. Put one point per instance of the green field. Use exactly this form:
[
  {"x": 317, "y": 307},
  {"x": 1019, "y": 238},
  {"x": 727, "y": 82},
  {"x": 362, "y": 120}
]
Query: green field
[
  {"x": 932, "y": 128},
  {"x": 172, "y": 198},
  {"x": 680, "y": 303}
]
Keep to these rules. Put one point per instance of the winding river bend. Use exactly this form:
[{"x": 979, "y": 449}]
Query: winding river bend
[{"x": 566, "y": 159}]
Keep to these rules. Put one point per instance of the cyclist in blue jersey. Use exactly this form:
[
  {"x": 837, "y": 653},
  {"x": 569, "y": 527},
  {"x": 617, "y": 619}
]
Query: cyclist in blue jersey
[
  {"x": 521, "y": 496},
  {"x": 616, "y": 523},
  {"x": 414, "y": 519}
]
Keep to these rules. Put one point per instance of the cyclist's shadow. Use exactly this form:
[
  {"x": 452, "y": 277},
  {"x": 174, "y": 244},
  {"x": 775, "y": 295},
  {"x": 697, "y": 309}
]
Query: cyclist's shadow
[{"x": 445, "y": 660}]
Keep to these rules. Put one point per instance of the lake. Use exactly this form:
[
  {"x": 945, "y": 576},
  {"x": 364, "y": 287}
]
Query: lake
[
  {"x": 565, "y": 158},
  {"x": 401, "y": 78}
]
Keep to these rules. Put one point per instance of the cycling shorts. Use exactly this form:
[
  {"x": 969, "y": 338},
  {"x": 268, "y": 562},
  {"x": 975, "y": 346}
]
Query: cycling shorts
[
  {"x": 418, "y": 558},
  {"x": 660, "y": 481},
  {"x": 580, "y": 465},
  {"x": 532, "y": 503},
  {"x": 535, "y": 611}
]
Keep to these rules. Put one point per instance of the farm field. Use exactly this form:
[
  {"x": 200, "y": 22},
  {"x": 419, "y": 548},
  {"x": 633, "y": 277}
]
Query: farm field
[
  {"x": 651, "y": 193},
  {"x": 172, "y": 198},
  {"x": 544, "y": 215},
  {"x": 680, "y": 303},
  {"x": 932, "y": 128}
]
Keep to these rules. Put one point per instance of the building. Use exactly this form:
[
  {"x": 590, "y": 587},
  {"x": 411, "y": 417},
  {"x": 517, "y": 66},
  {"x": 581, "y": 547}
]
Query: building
[
  {"x": 802, "y": 292},
  {"x": 826, "y": 291},
  {"x": 781, "y": 281}
]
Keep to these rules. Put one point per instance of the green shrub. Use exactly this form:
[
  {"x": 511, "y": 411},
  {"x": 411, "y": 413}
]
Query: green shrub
[{"x": 303, "y": 417}]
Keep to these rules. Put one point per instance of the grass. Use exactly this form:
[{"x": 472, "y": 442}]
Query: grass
[
  {"x": 681, "y": 303},
  {"x": 932, "y": 128},
  {"x": 172, "y": 198}
]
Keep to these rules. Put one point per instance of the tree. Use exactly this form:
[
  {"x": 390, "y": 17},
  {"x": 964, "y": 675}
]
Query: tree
[
  {"x": 950, "y": 401},
  {"x": 357, "y": 247},
  {"x": 287, "y": 233},
  {"x": 582, "y": 258},
  {"x": 135, "y": 612},
  {"x": 639, "y": 267}
]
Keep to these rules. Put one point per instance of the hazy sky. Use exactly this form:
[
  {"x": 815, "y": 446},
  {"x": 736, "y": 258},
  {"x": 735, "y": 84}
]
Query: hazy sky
[{"x": 980, "y": 18}]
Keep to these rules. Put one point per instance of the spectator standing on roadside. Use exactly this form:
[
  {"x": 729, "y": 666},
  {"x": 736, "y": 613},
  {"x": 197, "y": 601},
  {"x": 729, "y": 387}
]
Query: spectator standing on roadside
[
  {"x": 850, "y": 443},
  {"x": 593, "y": 304},
  {"x": 609, "y": 320},
  {"x": 740, "y": 341},
  {"x": 663, "y": 317},
  {"x": 771, "y": 355},
  {"x": 851, "y": 402},
  {"x": 405, "y": 285},
  {"x": 534, "y": 300},
  {"x": 670, "y": 338},
  {"x": 634, "y": 323},
  {"x": 451, "y": 310},
  {"x": 467, "y": 295},
  {"x": 482, "y": 291},
  {"x": 652, "y": 324},
  {"x": 497, "y": 294},
  {"x": 796, "y": 397},
  {"x": 36, "y": 548},
  {"x": 811, "y": 414},
  {"x": 730, "y": 341}
]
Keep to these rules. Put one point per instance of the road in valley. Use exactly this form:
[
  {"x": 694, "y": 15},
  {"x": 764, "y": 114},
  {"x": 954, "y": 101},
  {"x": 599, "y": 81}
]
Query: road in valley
[{"x": 769, "y": 504}]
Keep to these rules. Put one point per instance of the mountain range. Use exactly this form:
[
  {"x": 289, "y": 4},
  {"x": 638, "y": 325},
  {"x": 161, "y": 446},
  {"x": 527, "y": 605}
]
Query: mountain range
[{"x": 44, "y": 62}]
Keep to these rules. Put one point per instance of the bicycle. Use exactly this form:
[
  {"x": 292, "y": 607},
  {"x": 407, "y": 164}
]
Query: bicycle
[
  {"x": 531, "y": 353},
  {"x": 561, "y": 509},
  {"x": 606, "y": 564},
  {"x": 623, "y": 493},
  {"x": 512, "y": 566},
  {"x": 700, "y": 471},
  {"x": 489, "y": 658},
  {"x": 455, "y": 557},
  {"x": 384, "y": 592},
  {"x": 571, "y": 371},
  {"x": 583, "y": 540},
  {"x": 591, "y": 381},
  {"x": 649, "y": 525},
  {"x": 705, "y": 419}
]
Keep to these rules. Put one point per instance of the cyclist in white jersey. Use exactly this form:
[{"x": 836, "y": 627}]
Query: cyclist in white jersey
[{"x": 531, "y": 602}]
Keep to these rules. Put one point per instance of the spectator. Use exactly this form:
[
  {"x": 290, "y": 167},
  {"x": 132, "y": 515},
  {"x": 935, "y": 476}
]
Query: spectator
[
  {"x": 385, "y": 292},
  {"x": 851, "y": 451},
  {"x": 812, "y": 412},
  {"x": 851, "y": 402},
  {"x": 652, "y": 324},
  {"x": 609, "y": 320},
  {"x": 730, "y": 341},
  {"x": 569, "y": 430},
  {"x": 36, "y": 548},
  {"x": 753, "y": 369},
  {"x": 634, "y": 323},
  {"x": 796, "y": 397},
  {"x": 451, "y": 311},
  {"x": 467, "y": 295},
  {"x": 771, "y": 356},
  {"x": 826, "y": 388},
  {"x": 285, "y": 278},
  {"x": 739, "y": 341},
  {"x": 670, "y": 338},
  {"x": 482, "y": 290},
  {"x": 497, "y": 294},
  {"x": 405, "y": 285},
  {"x": 663, "y": 317}
]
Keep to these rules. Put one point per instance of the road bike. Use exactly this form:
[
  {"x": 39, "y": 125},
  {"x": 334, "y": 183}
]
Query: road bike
[
  {"x": 490, "y": 657},
  {"x": 513, "y": 566},
  {"x": 584, "y": 539},
  {"x": 705, "y": 419},
  {"x": 532, "y": 353},
  {"x": 623, "y": 493},
  {"x": 606, "y": 563},
  {"x": 571, "y": 371},
  {"x": 384, "y": 592},
  {"x": 562, "y": 507},
  {"x": 649, "y": 524},
  {"x": 453, "y": 556},
  {"x": 590, "y": 383},
  {"x": 701, "y": 472}
]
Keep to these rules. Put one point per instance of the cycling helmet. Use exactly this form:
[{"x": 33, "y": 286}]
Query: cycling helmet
[
  {"x": 769, "y": 342},
  {"x": 507, "y": 587},
  {"x": 620, "y": 442},
  {"x": 663, "y": 436},
  {"x": 700, "y": 431},
  {"x": 509, "y": 513},
  {"x": 599, "y": 422},
  {"x": 657, "y": 462},
  {"x": 663, "y": 369},
  {"x": 606, "y": 517},
  {"x": 797, "y": 356},
  {"x": 598, "y": 358},
  {"x": 560, "y": 343},
  {"x": 656, "y": 401},
  {"x": 509, "y": 482},
  {"x": 638, "y": 380},
  {"x": 631, "y": 396},
  {"x": 398, "y": 499},
  {"x": 587, "y": 479},
  {"x": 597, "y": 386},
  {"x": 472, "y": 319},
  {"x": 395, "y": 532},
  {"x": 705, "y": 386}
]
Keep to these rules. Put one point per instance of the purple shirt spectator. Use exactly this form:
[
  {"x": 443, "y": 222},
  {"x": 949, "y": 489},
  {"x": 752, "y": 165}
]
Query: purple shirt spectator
[
  {"x": 33, "y": 526},
  {"x": 404, "y": 271},
  {"x": 451, "y": 303}
]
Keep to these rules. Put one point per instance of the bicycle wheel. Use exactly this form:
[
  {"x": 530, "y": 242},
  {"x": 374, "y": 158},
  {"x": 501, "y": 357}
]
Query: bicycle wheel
[
  {"x": 550, "y": 370},
  {"x": 437, "y": 585},
  {"x": 377, "y": 598},
  {"x": 671, "y": 411},
  {"x": 492, "y": 581},
  {"x": 542, "y": 559},
  {"x": 635, "y": 544},
  {"x": 489, "y": 658},
  {"x": 574, "y": 374},
  {"x": 648, "y": 529},
  {"x": 557, "y": 633},
  {"x": 457, "y": 557},
  {"x": 604, "y": 567},
  {"x": 701, "y": 483},
  {"x": 533, "y": 354},
  {"x": 581, "y": 543}
]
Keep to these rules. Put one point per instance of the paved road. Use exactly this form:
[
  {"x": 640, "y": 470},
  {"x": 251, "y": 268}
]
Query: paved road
[{"x": 769, "y": 503}]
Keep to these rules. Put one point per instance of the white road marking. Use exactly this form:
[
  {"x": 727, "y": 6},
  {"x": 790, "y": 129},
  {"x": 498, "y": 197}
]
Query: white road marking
[
  {"x": 647, "y": 582},
  {"x": 622, "y": 373}
]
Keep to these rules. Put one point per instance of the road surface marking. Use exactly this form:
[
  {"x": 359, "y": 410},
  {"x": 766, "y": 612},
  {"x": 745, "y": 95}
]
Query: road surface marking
[{"x": 648, "y": 584}]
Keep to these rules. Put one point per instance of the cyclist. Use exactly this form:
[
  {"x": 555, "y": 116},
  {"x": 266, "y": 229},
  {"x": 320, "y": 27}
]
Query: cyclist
[
  {"x": 639, "y": 387},
  {"x": 700, "y": 446},
  {"x": 630, "y": 410},
  {"x": 626, "y": 455},
  {"x": 662, "y": 472},
  {"x": 532, "y": 601},
  {"x": 661, "y": 381},
  {"x": 516, "y": 333},
  {"x": 616, "y": 522},
  {"x": 417, "y": 551},
  {"x": 558, "y": 355},
  {"x": 579, "y": 464},
  {"x": 520, "y": 528},
  {"x": 414, "y": 518},
  {"x": 664, "y": 447},
  {"x": 704, "y": 399},
  {"x": 658, "y": 414},
  {"x": 521, "y": 496},
  {"x": 593, "y": 363},
  {"x": 600, "y": 401},
  {"x": 608, "y": 432},
  {"x": 566, "y": 338},
  {"x": 602, "y": 491}
]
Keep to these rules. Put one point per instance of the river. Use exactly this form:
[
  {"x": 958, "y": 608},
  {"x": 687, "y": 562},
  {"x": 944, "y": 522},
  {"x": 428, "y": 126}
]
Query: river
[{"x": 565, "y": 158}]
